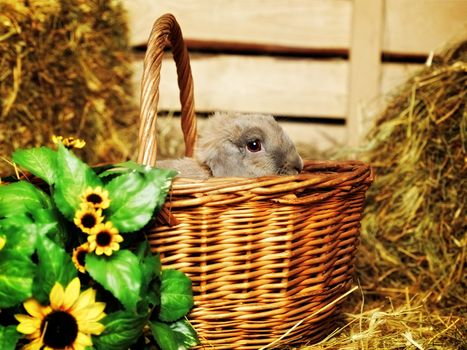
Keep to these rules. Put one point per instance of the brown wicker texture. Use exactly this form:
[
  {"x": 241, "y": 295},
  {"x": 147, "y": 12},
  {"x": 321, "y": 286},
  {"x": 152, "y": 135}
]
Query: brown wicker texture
[{"x": 264, "y": 254}]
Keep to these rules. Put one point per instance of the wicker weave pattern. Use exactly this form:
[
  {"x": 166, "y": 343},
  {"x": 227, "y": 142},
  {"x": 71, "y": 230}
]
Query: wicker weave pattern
[
  {"x": 264, "y": 257},
  {"x": 263, "y": 253}
]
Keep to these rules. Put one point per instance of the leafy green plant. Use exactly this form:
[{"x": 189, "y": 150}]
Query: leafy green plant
[{"x": 75, "y": 267}]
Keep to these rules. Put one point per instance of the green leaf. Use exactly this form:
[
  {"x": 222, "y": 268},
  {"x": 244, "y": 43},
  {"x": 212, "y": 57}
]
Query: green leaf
[
  {"x": 185, "y": 333},
  {"x": 55, "y": 265},
  {"x": 149, "y": 262},
  {"x": 119, "y": 273},
  {"x": 21, "y": 197},
  {"x": 16, "y": 278},
  {"x": 122, "y": 329},
  {"x": 162, "y": 179},
  {"x": 73, "y": 177},
  {"x": 165, "y": 337},
  {"x": 121, "y": 168},
  {"x": 174, "y": 336},
  {"x": 8, "y": 337},
  {"x": 20, "y": 235},
  {"x": 150, "y": 265},
  {"x": 176, "y": 295},
  {"x": 133, "y": 199},
  {"x": 129, "y": 166},
  {"x": 136, "y": 195},
  {"x": 52, "y": 224},
  {"x": 29, "y": 205},
  {"x": 38, "y": 161}
]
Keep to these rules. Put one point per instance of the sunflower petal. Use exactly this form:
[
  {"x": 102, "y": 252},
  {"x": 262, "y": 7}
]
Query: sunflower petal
[
  {"x": 115, "y": 246},
  {"x": 36, "y": 344},
  {"x": 57, "y": 295},
  {"x": 23, "y": 318},
  {"x": 91, "y": 313},
  {"x": 35, "y": 309},
  {"x": 28, "y": 326},
  {"x": 71, "y": 293},
  {"x": 94, "y": 328},
  {"x": 83, "y": 339},
  {"x": 96, "y": 311},
  {"x": 86, "y": 298},
  {"x": 92, "y": 244}
]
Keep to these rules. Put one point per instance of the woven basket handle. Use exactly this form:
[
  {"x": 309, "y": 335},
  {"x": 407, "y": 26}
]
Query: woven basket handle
[{"x": 165, "y": 32}]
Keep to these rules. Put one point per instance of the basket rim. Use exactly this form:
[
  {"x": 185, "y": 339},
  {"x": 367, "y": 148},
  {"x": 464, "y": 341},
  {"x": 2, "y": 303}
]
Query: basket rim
[
  {"x": 318, "y": 181},
  {"x": 331, "y": 168}
]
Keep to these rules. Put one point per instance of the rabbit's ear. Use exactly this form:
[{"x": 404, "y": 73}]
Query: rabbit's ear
[{"x": 215, "y": 153}]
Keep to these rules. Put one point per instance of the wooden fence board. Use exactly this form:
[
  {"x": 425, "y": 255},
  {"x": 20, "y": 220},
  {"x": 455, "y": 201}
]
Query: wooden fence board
[
  {"x": 365, "y": 62},
  {"x": 395, "y": 74},
  {"x": 280, "y": 86},
  {"x": 411, "y": 27},
  {"x": 295, "y": 23},
  {"x": 420, "y": 26}
]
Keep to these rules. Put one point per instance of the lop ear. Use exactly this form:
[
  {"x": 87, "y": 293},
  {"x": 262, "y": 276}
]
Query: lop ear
[
  {"x": 219, "y": 155},
  {"x": 215, "y": 148}
]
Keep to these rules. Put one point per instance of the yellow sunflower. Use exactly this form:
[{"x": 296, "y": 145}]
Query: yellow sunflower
[
  {"x": 87, "y": 218},
  {"x": 78, "y": 257},
  {"x": 104, "y": 239},
  {"x": 67, "y": 323},
  {"x": 2, "y": 242},
  {"x": 68, "y": 142},
  {"x": 96, "y": 197}
]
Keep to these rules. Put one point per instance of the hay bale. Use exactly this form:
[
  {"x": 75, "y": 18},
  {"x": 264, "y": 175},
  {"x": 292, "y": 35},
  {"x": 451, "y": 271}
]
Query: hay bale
[
  {"x": 415, "y": 224},
  {"x": 64, "y": 70}
]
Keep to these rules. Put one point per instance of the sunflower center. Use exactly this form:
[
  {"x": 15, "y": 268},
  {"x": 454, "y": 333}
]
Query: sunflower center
[
  {"x": 88, "y": 220},
  {"x": 61, "y": 330},
  {"x": 94, "y": 198},
  {"x": 80, "y": 257},
  {"x": 103, "y": 238}
]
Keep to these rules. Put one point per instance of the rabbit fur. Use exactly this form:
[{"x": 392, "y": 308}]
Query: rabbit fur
[
  {"x": 236, "y": 144},
  {"x": 186, "y": 167}
]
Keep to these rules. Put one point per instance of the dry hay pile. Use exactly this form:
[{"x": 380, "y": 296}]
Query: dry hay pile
[
  {"x": 415, "y": 223},
  {"x": 64, "y": 69},
  {"x": 412, "y": 259}
]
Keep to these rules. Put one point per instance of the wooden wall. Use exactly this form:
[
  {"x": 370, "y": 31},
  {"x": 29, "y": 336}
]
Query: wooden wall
[{"x": 322, "y": 65}]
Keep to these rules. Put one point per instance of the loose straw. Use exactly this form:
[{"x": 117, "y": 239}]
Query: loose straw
[{"x": 310, "y": 316}]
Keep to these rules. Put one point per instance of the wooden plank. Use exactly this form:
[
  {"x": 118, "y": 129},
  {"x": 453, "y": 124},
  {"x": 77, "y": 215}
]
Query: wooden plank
[
  {"x": 293, "y": 23},
  {"x": 258, "y": 84},
  {"x": 280, "y": 86},
  {"x": 412, "y": 27},
  {"x": 312, "y": 136},
  {"x": 365, "y": 62},
  {"x": 396, "y": 74},
  {"x": 420, "y": 26}
]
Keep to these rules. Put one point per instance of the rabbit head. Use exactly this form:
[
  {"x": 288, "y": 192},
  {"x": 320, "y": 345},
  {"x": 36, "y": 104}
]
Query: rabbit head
[{"x": 249, "y": 145}]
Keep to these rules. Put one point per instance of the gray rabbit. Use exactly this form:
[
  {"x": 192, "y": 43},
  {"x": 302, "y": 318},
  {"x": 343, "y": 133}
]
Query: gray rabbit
[{"x": 235, "y": 144}]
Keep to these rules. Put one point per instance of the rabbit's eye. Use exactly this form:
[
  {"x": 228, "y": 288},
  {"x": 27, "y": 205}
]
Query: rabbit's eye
[{"x": 254, "y": 146}]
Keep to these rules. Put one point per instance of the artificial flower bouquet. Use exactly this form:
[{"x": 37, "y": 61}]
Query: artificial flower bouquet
[{"x": 76, "y": 271}]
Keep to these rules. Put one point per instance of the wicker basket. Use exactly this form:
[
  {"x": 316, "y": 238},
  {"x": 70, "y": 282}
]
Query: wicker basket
[{"x": 264, "y": 254}]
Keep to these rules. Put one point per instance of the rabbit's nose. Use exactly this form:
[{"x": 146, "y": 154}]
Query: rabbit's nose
[
  {"x": 295, "y": 165},
  {"x": 298, "y": 165}
]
